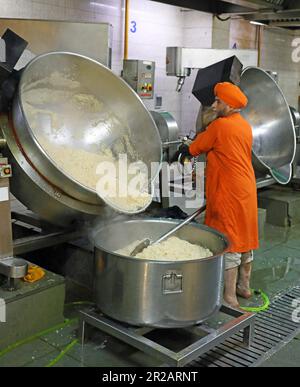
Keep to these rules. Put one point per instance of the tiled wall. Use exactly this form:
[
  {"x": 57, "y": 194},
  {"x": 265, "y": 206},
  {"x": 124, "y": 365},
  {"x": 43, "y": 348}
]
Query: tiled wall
[
  {"x": 158, "y": 26},
  {"x": 197, "y": 33},
  {"x": 243, "y": 35},
  {"x": 276, "y": 54},
  {"x": 221, "y": 34}
]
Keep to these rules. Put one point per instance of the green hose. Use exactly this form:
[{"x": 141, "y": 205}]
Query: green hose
[
  {"x": 257, "y": 309},
  {"x": 62, "y": 354},
  {"x": 37, "y": 336},
  {"x": 74, "y": 342},
  {"x": 28, "y": 340}
]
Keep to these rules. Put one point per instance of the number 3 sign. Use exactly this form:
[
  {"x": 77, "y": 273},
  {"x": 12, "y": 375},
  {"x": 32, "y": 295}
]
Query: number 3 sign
[{"x": 133, "y": 27}]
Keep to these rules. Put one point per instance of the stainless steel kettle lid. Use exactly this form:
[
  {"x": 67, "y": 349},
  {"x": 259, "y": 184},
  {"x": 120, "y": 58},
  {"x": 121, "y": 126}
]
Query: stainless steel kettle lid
[
  {"x": 274, "y": 141},
  {"x": 76, "y": 113}
]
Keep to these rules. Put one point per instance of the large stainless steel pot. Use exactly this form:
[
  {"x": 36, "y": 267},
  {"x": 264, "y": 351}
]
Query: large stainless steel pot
[
  {"x": 37, "y": 175},
  {"x": 156, "y": 293},
  {"x": 274, "y": 141}
]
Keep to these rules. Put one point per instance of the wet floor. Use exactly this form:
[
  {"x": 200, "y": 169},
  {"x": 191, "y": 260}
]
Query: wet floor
[{"x": 276, "y": 268}]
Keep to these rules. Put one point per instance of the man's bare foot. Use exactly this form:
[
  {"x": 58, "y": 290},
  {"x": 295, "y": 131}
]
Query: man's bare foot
[
  {"x": 232, "y": 302},
  {"x": 243, "y": 292}
]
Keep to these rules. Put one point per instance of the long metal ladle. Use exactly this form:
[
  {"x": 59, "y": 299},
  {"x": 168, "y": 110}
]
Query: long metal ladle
[{"x": 147, "y": 242}]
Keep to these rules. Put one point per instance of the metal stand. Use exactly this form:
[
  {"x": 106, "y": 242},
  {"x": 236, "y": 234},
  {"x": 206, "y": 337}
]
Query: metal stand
[{"x": 135, "y": 336}]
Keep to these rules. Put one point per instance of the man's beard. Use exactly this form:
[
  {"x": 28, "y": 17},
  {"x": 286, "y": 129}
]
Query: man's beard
[{"x": 221, "y": 113}]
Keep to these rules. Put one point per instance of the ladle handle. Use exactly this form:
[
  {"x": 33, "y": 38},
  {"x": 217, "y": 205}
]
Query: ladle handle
[{"x": 178, "y": 227}]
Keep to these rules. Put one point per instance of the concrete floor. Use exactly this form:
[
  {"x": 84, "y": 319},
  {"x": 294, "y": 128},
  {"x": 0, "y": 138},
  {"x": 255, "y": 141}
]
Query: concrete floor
[{"x": 276, "y": 268}]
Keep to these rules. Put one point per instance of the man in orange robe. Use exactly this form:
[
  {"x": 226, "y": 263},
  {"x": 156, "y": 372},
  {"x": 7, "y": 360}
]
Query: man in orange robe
[{"x": 230, "y": 186}]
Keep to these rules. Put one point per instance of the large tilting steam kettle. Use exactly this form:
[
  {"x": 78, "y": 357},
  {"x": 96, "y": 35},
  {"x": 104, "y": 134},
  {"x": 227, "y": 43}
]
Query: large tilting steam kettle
[
  {"x": 39, "y": 181},
  {"x": 274, "y": 140},
  {"x": 274, "y": 137}
]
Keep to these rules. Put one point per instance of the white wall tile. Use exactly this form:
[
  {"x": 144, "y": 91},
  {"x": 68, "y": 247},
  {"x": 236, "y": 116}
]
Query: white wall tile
[{"x": 161, "y": 25}]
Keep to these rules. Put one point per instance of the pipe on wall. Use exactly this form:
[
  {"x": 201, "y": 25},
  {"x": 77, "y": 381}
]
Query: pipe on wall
[
  {"x": 126, "y": 29},
  {"x": 259, "y": 32}
]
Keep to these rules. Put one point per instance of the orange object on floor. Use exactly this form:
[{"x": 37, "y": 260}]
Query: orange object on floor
[
  {"x": 35, "y": 273},
  {"x": 230, "y": 181}
]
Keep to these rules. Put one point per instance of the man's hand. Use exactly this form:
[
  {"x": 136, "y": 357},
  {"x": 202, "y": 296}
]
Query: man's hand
[{"x": 182, "y": 155}]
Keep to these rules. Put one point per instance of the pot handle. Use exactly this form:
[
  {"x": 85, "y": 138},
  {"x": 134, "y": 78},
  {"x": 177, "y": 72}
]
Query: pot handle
[{"x": 172, "y": 283}]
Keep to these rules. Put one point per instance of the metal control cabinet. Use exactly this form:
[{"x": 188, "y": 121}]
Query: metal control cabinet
[{"x": 139, "y": 74}]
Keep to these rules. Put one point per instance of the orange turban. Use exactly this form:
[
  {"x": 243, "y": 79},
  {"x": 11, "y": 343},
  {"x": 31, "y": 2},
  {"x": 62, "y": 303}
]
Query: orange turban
[{"x": 231, "y": 94}]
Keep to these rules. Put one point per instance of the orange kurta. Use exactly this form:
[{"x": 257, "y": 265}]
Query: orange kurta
[{"x": 230, "y": 181}]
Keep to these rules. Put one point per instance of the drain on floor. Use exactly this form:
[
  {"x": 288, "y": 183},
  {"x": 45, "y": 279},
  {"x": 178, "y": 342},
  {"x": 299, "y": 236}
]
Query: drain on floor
[{"x": 274, "y": 328}]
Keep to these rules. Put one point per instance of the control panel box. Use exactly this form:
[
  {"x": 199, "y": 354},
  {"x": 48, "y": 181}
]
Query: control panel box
[{"x": 139, "y": 74}]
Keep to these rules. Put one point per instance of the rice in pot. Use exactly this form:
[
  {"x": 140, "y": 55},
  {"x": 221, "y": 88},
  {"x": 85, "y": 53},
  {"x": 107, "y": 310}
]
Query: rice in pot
[{"x": 173, "y": 249}]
